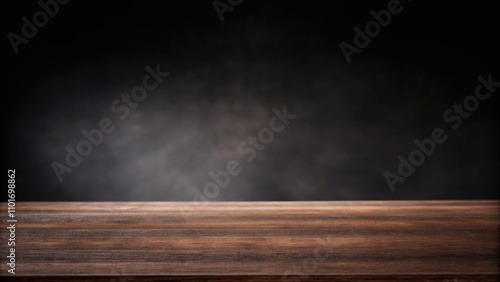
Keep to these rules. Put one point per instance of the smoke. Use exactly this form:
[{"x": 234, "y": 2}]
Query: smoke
[
  {"x": 353, "y": 120},
  {"x": 337, "y": 148}
]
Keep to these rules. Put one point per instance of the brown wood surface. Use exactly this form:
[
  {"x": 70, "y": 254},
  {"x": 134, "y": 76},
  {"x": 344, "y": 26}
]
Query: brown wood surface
[{"x": 255, "y": 241}]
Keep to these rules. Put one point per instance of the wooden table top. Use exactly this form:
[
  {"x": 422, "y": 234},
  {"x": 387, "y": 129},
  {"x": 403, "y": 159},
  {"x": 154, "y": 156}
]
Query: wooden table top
[{"x": 254, "y": 241}]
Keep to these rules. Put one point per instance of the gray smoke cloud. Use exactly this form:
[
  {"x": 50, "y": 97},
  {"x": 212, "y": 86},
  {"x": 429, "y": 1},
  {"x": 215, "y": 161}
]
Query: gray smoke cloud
[{"x": 346, "y": 134}]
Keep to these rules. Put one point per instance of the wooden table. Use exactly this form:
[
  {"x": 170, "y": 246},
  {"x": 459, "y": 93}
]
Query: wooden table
[{"x": 254, "y": 241}]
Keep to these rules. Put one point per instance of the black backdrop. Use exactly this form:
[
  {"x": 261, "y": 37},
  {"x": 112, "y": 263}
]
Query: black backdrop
[{"x": 352, "y": 121}]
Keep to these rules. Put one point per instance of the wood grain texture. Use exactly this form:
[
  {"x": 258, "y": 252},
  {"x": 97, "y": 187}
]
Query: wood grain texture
[{"x": 255, "y": 241}]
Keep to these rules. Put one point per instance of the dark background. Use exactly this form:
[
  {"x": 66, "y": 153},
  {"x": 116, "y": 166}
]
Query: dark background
[{"x": 353, "y": 120}]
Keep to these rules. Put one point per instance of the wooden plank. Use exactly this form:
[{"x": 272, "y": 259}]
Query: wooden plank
[{"x": 255, "y": 241}]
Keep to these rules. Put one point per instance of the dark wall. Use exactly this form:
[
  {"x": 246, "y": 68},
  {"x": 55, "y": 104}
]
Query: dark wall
[{"x": 352, "y": 120}]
